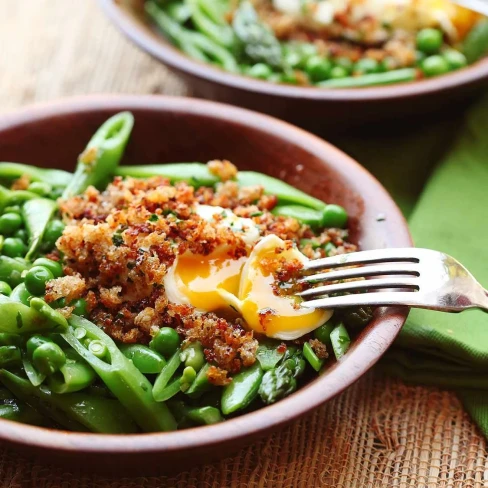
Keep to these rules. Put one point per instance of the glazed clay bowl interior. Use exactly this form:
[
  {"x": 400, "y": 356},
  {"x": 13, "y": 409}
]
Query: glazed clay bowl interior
[
  {"x": 316, "y": 108},
  {"x": 178, "y": 129}
]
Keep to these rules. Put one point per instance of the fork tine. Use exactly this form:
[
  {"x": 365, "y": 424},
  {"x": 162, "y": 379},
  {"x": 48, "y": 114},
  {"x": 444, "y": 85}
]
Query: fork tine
[
  {"x": 408, "y": 299},
  {"x": 362, "y": 285},
  {"x": 363, "y": 257},
  {"x": 379, "y": 269}
]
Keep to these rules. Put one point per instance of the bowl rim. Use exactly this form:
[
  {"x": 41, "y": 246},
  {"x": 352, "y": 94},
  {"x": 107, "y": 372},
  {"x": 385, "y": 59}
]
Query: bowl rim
[
  {"x": 165, "y": 52},
  {"x": 372, "y": 346}
]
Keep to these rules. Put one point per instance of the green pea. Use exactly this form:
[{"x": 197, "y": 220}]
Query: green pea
[
  {"x": 289, "y": 77},
  {"x": 144, "y": 359},
  {"x": 53, "y": 232},
  {"x": 322, "y": 333},
  {"x": 5, "y": 288},
  {"x": 334, "y": 216},
  {"x": 9, "y": 223},
  {"x": 455, "y": 59},
  {"x": 193, "y": 356},
  {"x": 311, "y": 357},
  {"x": 429, "y": 40},
  {"x": 36, "y": 279},
  {"x": 20, "y": 294},
  {"x": 318, "y": 68},
  {"x": 40, "y": 188},
  {"x": 80, "y": 307},
  {"x": 14, "y": 247},
  {"x": 292, "y": 59},
  {"x": 366, "y": 66},
  {"x": 21, "y": 234},
  {"x": 435, "y": 65},
  {"x": 34, "y": 342},
  {"x": 53, "y": 266},
  {"x": 344, "y": 63},
  {"x": 98, "y": 349},
  {"x": 48, "y": 358},
  {"x": 260, "y": 70},
  {"x": 166, "y": 341},
  {"x": 338, "y": 72},
  {"x": 13, "y": 209}
]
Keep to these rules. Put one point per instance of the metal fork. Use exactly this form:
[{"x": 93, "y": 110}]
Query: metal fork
[{"x": 421, "y": 278}]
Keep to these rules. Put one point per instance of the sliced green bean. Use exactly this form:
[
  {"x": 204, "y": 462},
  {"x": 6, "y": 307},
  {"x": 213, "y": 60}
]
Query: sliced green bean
[
  {"x": 303, "y": 214},
  {"x": 11, "y": 270},
  {"x": 37, "y": 213},
  {"x": 204, "y": 415},
  {"x": 55, "y": 177},
  {"x": 286, "y": 193},
  {"x": 97, "y": 163},
  {"x": 201, "y": 384},
  {"x": 74, "y": 411},
  {"x": 220, "y": 32},
  {"x": 166, "y": 374},
  {"x": 373, "y": 79},
  {"x": 18, "y": 318},
  {"x": 311, "y": 357},
  {"x": 192, "y": 355},
  {"x": 242, "y": 390},
  {"x": 9, "y": 355},
  {"x": 74, "y": 375},
  {"x": 475, "y": 45},
  {"x": 269, "y": 354},
  {"x": 195, "y": 174},
  {"x": 340, "y": 341},
  {"x": 122, "y": 378}
]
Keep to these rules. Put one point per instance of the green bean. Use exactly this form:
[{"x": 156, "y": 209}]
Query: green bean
[
  {"x": 322, "y": 333},
  {"x": 193, "y": 43},
  {"x": 334, "y": 216},
  {"x": 13, "y": 409},
  {"x": 475, "y": 45},
  {"x": 242, "y": 390},
  {"x": 13, "y": 171},
  {"x": 394, "y": 76},
  {"x": 200, "y": 383},
  {"x": 286, "y": 193},
  {"x": 204, "y": 415},
  {"x": 196, "y": 174},
  {"x": 5, "y": 288},
  {"x": 269, "y": 354},
  {"x": 74, "y": 375},
  {"x": 218, "y": 31},
  {"x": 74, "y": 411},
  {"x": 166, "y": 374},
  {"x": 145, "y": 360},
  {"x": 122, "y": 378},
  {"x": 303, "y": 214},
  {"x": 35, "y": 377},
  {"x": 97, "y": 163},
  {"x": 11, "y": 270},
  {"x": 18, "y": 318},
  {"x": 179, "y": 384},
  {"x": 9, "y": 198},
  {"x": 9, "y": 355},
  {"x": 340, "y": 341},
  {"x": 311, "y": 357},
  {"x": 37, "y": 213},
  {"x": 20, "y": 294},
  {"x": 7, "y": 339}
]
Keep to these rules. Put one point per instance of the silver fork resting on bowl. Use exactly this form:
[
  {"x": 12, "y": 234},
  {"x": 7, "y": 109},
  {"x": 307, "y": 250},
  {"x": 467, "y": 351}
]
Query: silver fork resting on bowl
[{"x": 421, "y": 278}]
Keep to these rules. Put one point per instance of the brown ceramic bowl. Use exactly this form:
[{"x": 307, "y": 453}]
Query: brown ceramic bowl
[
  {"x": 317, "y": 108},
  {"x": 178, "y": 129}
]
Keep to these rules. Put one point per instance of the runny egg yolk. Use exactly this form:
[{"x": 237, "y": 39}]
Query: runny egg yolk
[
  {"x": 196, "y": 280},
  {"x": 277, "y": 316}
]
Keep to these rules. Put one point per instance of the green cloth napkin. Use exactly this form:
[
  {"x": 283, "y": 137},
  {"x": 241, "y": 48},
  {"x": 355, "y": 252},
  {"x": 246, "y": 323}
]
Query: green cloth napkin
[{"x": 451, "y": 215}]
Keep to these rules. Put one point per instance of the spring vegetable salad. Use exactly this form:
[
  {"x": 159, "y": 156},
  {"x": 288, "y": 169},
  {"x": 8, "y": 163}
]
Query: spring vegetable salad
[
  {"x": 151, "y": 298},
  {"x": 325, "y": 43}
]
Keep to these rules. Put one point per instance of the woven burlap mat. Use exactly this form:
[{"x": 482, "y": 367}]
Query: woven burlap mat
[{"x": 379, "y": 433}]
